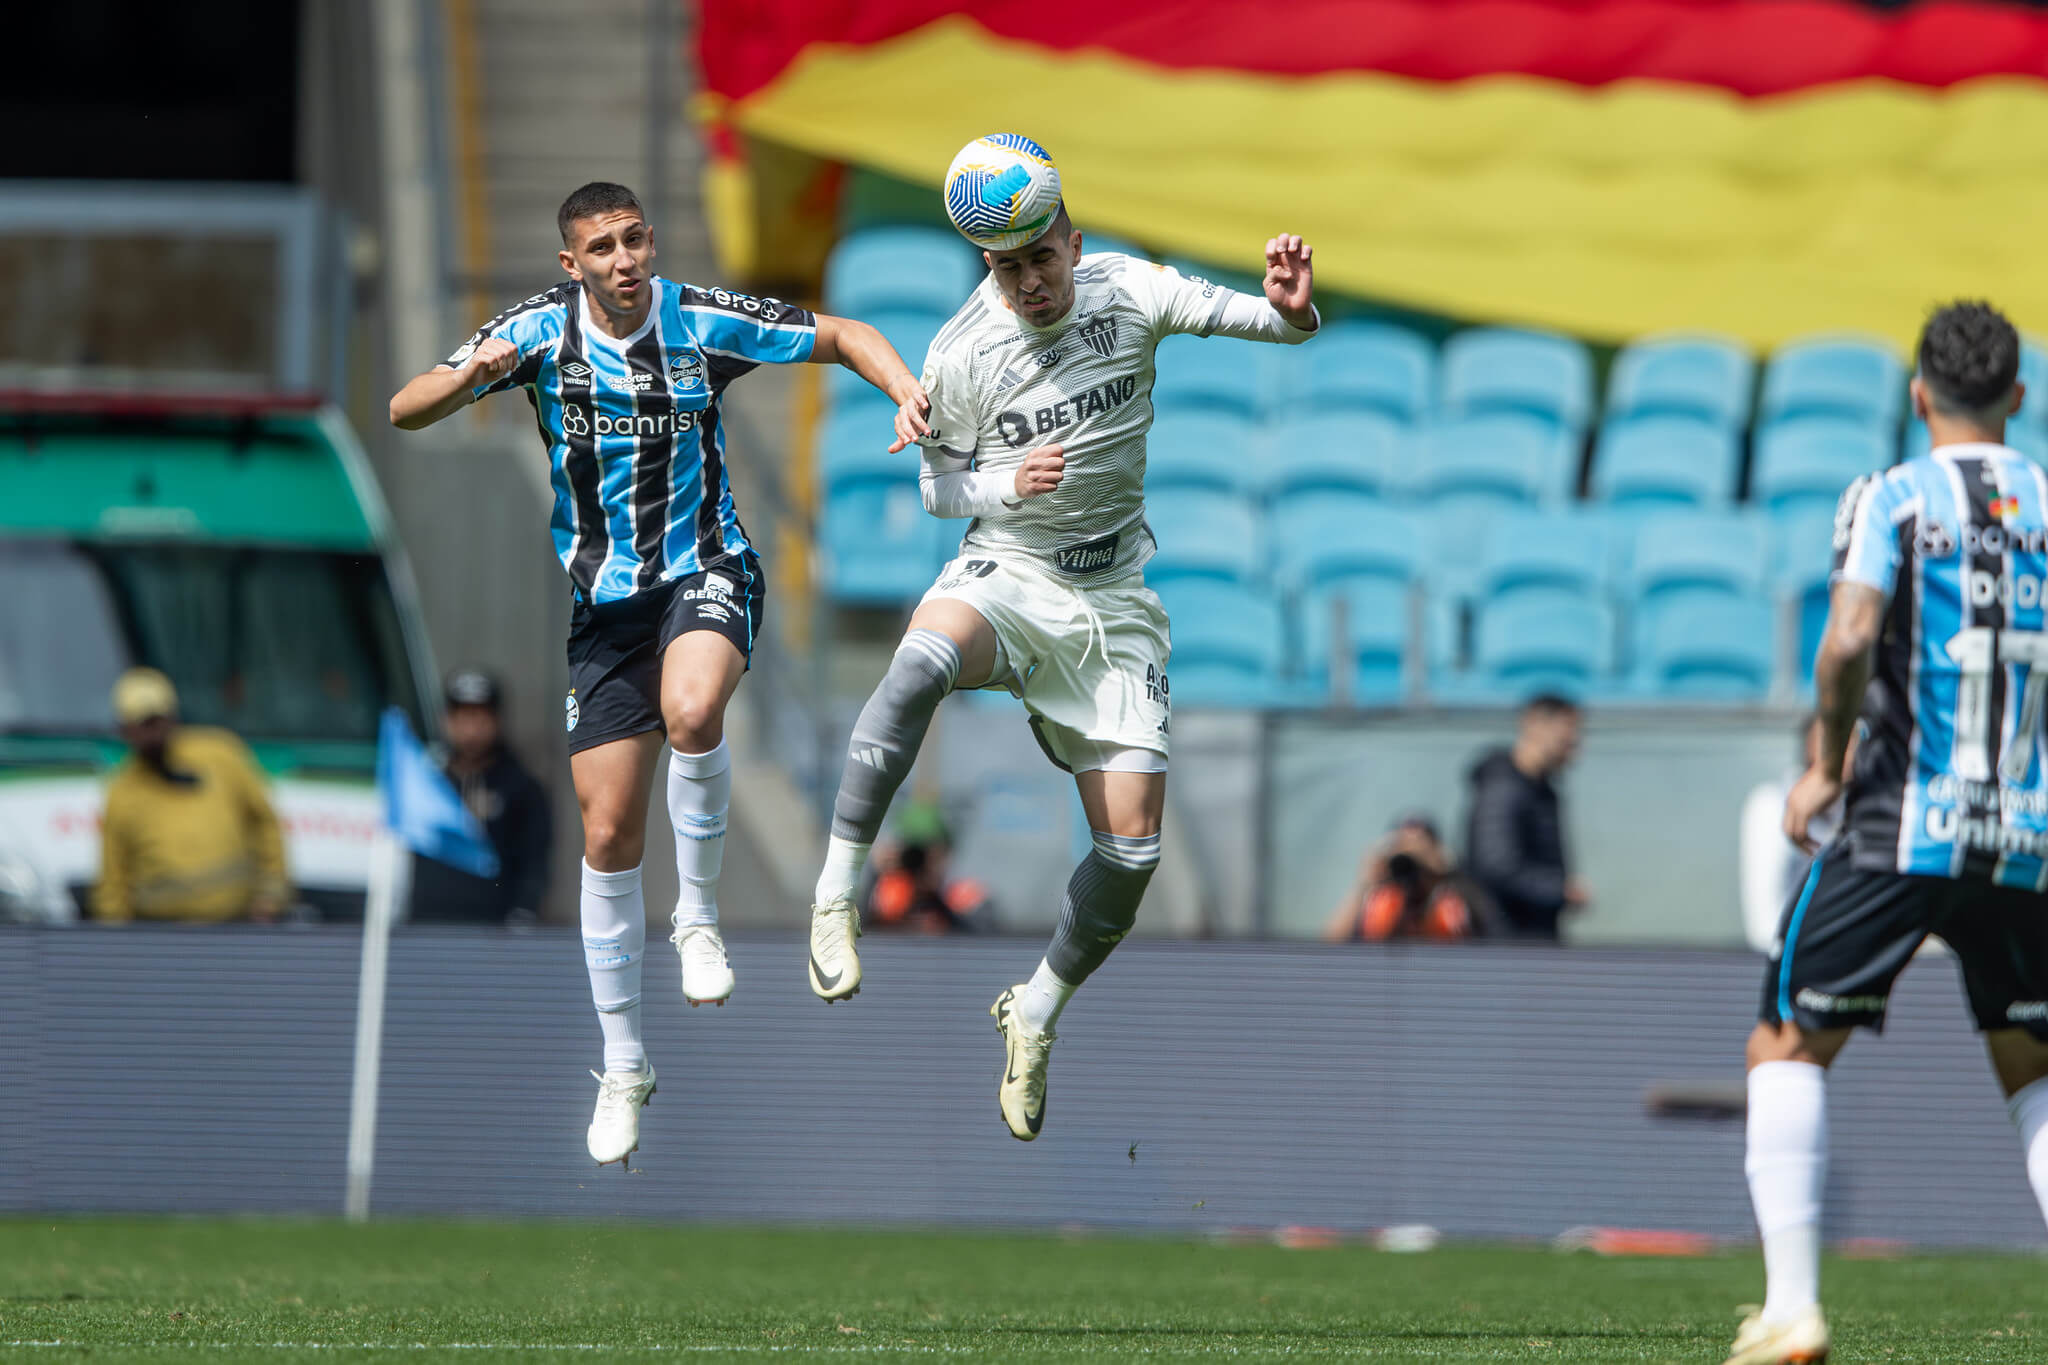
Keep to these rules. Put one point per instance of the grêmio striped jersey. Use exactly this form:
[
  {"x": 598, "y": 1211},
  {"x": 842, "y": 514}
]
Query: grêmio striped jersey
[
  {"x": 635, "y": 446},
  {"x": 1951, "y": 775}
]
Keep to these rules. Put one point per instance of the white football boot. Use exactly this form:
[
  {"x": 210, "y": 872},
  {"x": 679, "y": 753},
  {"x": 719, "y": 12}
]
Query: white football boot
[
  {"x": 1021, "y": 1096},
  {"x": 1796, "y": 1341},
  {"x": 835, "y": 965},
  {"x": 707, "y": 975},
  {"x": 615, "y": 1127}
]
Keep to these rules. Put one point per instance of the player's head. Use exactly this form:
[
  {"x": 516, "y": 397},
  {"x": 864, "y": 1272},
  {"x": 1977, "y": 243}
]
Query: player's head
[
  {"x": 607, "y": 245},
  {"x": 473, "y": 724},
  {"x": 1037, "y": 278},
  {"x": 1968, "y": 367},
  {"x": 1547, "y": 737},
  {"x": 146, "y": 708}
]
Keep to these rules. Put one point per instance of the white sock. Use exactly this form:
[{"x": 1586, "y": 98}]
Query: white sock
[
  {"x": 1788, "y": 1167},
  {"x": 614, "y": 937},
  {"x": 844, "y": 860},
  {"x": 1043, "y": 997},
  {"x": 699, "y": 792},
  {"x": 2029, "y": 1110}
]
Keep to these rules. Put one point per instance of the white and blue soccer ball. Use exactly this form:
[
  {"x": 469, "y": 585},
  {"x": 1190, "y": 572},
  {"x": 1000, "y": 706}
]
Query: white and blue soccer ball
[{"x": 1002, "y": 191}]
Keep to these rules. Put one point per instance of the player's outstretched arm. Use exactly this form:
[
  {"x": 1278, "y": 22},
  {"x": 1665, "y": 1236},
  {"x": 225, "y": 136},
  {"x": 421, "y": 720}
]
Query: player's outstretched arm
[
  {"x": 429, "y": 397},
  {"x": 865, "y": 351}
]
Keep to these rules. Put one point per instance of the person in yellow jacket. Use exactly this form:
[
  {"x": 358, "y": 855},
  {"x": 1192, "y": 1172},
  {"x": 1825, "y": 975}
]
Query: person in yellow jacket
[{"x": 189, "y": 833}]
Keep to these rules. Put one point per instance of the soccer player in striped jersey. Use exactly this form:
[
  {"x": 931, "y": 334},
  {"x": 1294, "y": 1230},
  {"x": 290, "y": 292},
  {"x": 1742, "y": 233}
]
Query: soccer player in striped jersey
[
  {"x": 1937, "y": 643},
  {"x": 625, "y": 370},
  {"x": 1041, "y": 390}
]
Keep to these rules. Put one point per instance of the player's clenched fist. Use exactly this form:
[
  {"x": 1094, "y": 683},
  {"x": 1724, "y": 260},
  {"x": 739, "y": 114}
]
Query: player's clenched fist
[
  {"x": 1041, "y": 471},
  {"x": 493, "y": 359}
]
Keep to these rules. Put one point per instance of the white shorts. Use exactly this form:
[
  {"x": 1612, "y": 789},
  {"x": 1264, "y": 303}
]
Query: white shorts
[{"x": 1089, "y": 663}]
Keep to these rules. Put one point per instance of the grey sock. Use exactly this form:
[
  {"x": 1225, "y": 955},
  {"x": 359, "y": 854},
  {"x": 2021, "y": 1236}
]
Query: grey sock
[
  {"x": 1101, "y": 904},
  {"x": 890, "y": 729}
]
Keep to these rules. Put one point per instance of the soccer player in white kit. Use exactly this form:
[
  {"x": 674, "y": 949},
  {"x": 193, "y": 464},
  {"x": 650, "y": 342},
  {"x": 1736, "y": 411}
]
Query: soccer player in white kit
[{"x": 1041, "y": 397}]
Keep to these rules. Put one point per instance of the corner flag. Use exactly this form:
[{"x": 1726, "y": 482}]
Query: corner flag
[{"x": 421, "y": 808}]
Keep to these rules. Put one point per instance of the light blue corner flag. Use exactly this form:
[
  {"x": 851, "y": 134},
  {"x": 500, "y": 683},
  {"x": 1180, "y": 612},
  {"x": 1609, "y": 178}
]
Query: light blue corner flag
[{"x": 420, "y": 806}]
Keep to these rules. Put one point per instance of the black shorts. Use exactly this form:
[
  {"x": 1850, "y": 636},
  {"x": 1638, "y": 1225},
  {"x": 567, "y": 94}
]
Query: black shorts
[
  {"x": 615, "y": 648},
  {"x": 1848, "y": 933}
]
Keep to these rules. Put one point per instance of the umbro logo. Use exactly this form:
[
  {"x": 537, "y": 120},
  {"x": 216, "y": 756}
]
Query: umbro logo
[{"x": 575, "y": 372}]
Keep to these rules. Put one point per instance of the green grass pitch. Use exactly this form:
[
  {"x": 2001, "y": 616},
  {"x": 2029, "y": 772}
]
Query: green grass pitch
[{"x": 159, "y": 1290}]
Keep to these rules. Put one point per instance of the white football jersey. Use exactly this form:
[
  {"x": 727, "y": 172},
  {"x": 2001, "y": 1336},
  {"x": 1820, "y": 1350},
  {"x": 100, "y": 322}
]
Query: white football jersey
[{"x": 1000, "y": 387}]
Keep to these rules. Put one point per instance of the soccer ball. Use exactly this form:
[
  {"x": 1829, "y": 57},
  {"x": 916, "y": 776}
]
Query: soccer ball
[{"x": 1002, "y": 191}]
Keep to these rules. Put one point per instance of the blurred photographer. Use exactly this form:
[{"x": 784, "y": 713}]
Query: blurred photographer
[
  {"x": 512, "y": 807},
  {"x": 914, "y": 890},
  {"x": 1407, "y": 887}
]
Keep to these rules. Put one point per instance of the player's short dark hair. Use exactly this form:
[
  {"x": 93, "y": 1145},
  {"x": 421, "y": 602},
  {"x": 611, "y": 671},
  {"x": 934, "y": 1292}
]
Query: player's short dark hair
[
  {"x": 592, "y": 200},
  {"x": 1549, "y": 706},
  {"x": 1969, "y": 356}
]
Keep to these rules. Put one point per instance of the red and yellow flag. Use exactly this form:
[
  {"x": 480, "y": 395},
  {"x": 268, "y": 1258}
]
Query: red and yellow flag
[{"x": 1763, "y": 168}]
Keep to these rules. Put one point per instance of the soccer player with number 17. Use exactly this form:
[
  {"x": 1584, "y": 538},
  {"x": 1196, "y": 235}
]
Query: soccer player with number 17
[{"x": 1041, "y": 393}]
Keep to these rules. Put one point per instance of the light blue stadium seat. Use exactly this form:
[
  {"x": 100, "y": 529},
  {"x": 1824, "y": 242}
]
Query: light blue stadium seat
[
  {"x": 1378, "y": 629},
  {"x": 1848, "y": 377},
  {"x": 1677, "y": 552},
  {"x": 1194, "y": 373},
  {"x": 1210, "y": 448},
  {"x": 1541, "y": 549},
  {"x": 1350, "y": 452},
  {"x": 1203, "y": 534},
  {"x": 1801, "y": 563},
  {"x": 1806, "y": 462},
  {"x": 1229, "y": 644},
  {"x": 1666, "y": 461},
  {"x": 1500, "y": 459},
  {"x": 1538, "y": 640},
  {"x": 1371, "y": 367},
  {"x": 1702, "y": 377},
  {"x": 880, "y": 547},
  {"x": 854, "y": 444},
  {"x": 1318, "y": 537},
  {"x": 909, "y": 331},
  {"x": 920, "y": 268},
  {"x": 2034, "y": 374},
  {"x": 1707, "y": 646},
  {"x": 1507, "y": 370}
]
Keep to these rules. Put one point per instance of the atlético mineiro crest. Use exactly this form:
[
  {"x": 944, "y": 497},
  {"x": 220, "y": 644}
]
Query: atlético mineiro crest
[{"x": 1099, "y": 336}]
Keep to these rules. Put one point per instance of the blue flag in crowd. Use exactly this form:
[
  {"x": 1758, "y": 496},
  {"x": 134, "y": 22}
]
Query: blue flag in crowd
[{"x": 421, "y": 806}]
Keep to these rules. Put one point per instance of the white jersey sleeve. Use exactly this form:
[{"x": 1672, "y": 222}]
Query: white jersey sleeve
[
  {"x": 949, "y": 483},
  {"x": 1192, "y": 305}
]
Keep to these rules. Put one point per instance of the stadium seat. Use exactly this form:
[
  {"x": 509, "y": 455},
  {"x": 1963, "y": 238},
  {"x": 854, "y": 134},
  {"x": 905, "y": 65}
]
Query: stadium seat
[
  {"x": 1806, "y": 462},
  {"x": 887, "y": 268},
  {"x": 1195, "y": 373},
  {"x": 1319, "y": 537},
  {"x": 1093, "y": 244},
  {"x": 1666, "y": 460},
  {"x": 1701, "y": 377},
  {"x": 1847, "y": 377},
  {"x": 1489, "y": 370},
  {"x": 1721, "y": 552},
  {"x": 1802, "y": 561},
  {"x": 854, "y": 444},
  {"x": 910, "y": 332},
  {"x": 1539, "y": 640},
  {"x": 2034, "y": 374},
  {"x": 1229, "y": 644},
  {"x": 879, "y": 545},
  {"x": 1498, "y": 459},
  {"x": 1205, "y": 448},
  {"x": 1368, "y": 366},
  {"x": 1350, "y": 452},
  {"x": 1378, "y": 628},
  {"x": 1203, "y": 534},
  {"x": 1708, "y": 646},
  {"x": 1525, "y": 550}
]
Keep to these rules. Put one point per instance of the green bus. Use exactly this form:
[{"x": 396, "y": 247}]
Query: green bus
[{"x": 238, "y": 544}]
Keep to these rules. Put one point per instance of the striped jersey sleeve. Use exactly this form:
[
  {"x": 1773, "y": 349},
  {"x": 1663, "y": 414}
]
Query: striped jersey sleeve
[
  {"x": 534, "y": 326},
  {"x": 1866, "y": 532},
  {"x": 742, "y": 331}
]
